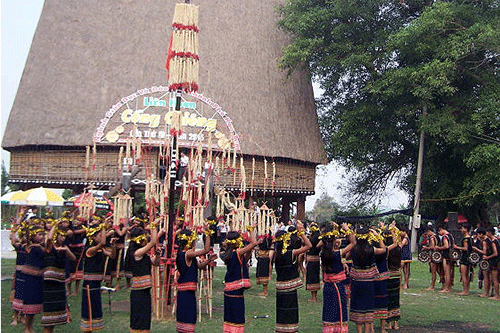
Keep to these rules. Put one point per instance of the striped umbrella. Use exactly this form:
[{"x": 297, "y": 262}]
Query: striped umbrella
[
  {"x": 37, "y": 197},
  {"x": 6, "y": 198}
]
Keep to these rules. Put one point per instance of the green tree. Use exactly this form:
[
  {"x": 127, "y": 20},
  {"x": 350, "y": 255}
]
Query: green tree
[
  {"x": 5, "y": 179},
  {"x": 67, "y": 193},
  {"x": 324, "y": 209},
  {"x": 390, "y": 69}
]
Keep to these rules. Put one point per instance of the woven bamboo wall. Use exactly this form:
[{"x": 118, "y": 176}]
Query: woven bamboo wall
[{"x": 67, "y": 166}]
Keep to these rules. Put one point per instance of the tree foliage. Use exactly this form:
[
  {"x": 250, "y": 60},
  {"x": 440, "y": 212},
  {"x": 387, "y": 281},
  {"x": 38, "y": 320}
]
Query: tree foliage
[
  {"x": 390, "y": 69},
  {"x": 325, "y": 208}
]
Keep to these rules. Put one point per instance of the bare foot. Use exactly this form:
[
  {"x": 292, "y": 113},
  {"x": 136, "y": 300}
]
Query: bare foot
[
  {"x": 404, "y": 287},
  {"x": 495, "y": 297},
  {"x": 445, "y": 291},
  {"x": 431, "y": 288},
  {"x": 463, "y": 293},
  {"x": 263, "y": 294},
  {"x": 312, "y": 300},
  {"x": 14, "y": 322},
  {"x": 483, "y": 295}
]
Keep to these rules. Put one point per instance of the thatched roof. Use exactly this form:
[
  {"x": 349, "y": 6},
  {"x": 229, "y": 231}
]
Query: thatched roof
[{"x": 86, "y": 55}]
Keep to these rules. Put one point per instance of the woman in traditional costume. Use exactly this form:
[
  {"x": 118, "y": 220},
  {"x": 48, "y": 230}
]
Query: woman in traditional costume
[
  {"x": 363, "y": 274},
  {"x": 76, "y": 240},
  {"x": 139, "y": 262},
  {"x": 33, "y": 272},
  {"x": 394, "y": 282},
  {"x": 236, "y": 279},
  {"x": 335, "y": 313},
  {"x": 187, "y": 282},
  {"x": 55, "y": 304},
  {"x": 313, "y": 264},
  {"x": 263, "y": 273},
  {"x": 381, "y": 295},
  {"x": 289, "y": 245},
  {"x": 18, "y": 239},
  {"x": 94, "y": 256}
]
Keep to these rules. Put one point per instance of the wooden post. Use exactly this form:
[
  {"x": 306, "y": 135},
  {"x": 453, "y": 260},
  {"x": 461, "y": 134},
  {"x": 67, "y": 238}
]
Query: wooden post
[
  {"x": 301, "y": 208},
  {"x": 418, "y": 184}
]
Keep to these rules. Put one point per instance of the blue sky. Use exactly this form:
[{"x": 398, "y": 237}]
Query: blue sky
[{"x": 19, "y": 19}]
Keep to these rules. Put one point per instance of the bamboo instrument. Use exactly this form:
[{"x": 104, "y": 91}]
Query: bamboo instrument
[{"x": 90, "y": 308}]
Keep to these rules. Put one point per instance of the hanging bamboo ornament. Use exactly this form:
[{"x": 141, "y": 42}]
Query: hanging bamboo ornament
[
  {"x": 87, "y": 161},
  {"x": 127, "y": 150},
  {"x": 243, "y": 177},
  {"x": 264, "y": 210},
  {"x": 273, "y": 183},
  {"x": 94, "y": 157},
  {"x": 120, "y": 160},
  {"x": 208, "y": 174},
  {"x": 183, "y": 60},
  {"x": 87, "y": 205},
  {"x": 138, "y": 151},
  {"x": 123, "y": 207},
  {"x": 265, "y": 175},
  {"x": 252, "y": 185},
  {"x": 217, "y": 168}
]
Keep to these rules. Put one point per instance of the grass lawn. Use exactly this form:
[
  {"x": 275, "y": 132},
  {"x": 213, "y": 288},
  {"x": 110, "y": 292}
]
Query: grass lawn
[{"x": 418, "y": 307}]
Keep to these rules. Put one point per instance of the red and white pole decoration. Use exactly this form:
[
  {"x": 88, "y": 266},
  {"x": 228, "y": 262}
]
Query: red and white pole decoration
[{"x": 183, "y": 60}]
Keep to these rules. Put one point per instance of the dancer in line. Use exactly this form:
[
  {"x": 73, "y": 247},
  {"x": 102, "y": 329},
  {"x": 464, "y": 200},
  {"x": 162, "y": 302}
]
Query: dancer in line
[
  {"x": 394, "y": 282},
  {"x": 363, "y": 273},
  {"x": 289, "y": 245},
  {"x": 236, "y": 279},
  {"x": 139, "y": 262},
  {"x": 187, "y": 282},
  {"x": 263, "y": 273},
  {"x": 94, "y": 256},
  {"x": 33, "y": 269},
  {"x": 55, "y": 304},
  {"x": 313, "y": 264},
  {"x": 335, "y": 312}
]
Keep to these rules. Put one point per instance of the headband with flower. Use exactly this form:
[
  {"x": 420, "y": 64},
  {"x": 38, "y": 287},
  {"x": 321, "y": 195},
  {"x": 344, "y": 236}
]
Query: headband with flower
[
  {"x": 285, "y": 238},
  {"x": 188, "y": 238},
  {"x": 237, "y": 243},
  {"x": 89, "y": 231},
  {"x": 57, "y": 232},
  {"x": 334, "y": 233},
  {"x": 370, "y": 237},
  {"x": 313, "y": 228},
  {"x": 139, "y": 239}
]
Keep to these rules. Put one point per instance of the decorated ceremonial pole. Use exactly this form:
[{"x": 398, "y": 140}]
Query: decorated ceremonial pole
[{"x": 182, "y": 66}]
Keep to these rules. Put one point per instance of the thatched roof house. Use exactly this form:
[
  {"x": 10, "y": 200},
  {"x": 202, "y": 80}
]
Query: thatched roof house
[{"x": 87, "y": 55}]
